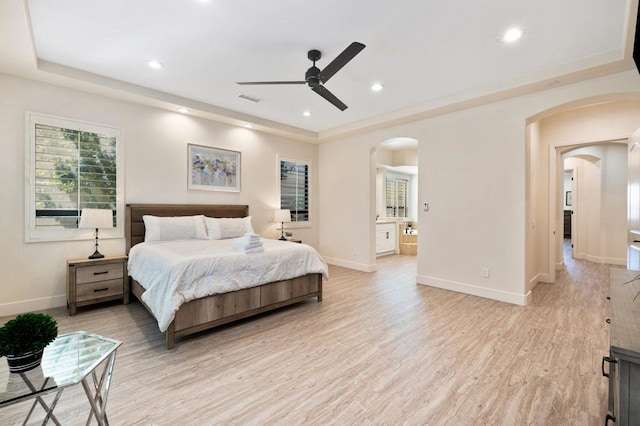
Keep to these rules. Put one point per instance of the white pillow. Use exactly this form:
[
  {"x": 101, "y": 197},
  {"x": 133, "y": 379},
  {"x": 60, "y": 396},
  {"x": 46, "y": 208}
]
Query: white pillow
[
  {"x": 174, "y": 228},
  {"x": 223, "y": 228}
]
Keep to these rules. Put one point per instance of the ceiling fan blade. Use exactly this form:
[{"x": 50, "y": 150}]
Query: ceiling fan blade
[
  {"x": 325, "y": 93},
  {"x": 334, "y": 66},
  {"x": 246, "y": 83}
]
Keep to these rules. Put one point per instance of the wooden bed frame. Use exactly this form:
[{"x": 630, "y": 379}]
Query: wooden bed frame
[{"x": 211, "y": 311}]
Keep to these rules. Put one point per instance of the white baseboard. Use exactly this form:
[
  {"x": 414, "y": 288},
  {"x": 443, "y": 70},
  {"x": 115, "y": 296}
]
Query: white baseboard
[
  {"x": 602, "y": 260},
  {"x": 351, "y": 265},
  {"x": 542, "y": 278},
  {"x": 488, "y": 293},
  {"x": 33, "y": 305},
  {"x": 533, "y": 282},
  {"x": 615, "y": 261}
]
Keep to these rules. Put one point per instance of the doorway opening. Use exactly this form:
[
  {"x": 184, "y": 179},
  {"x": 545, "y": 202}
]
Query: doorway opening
[
  {"x": 594, "y": 202},
  {"x": 602, "y": 125},
  {"x": 395, "y": 174}
]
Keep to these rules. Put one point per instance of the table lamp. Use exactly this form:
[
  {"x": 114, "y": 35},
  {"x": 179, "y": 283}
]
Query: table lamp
[
  {"x": 96, "y": 218},
  {"x": 282, "y": 216}
]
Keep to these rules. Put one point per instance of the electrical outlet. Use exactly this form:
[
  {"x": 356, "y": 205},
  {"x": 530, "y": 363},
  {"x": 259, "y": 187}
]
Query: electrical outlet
[{"x": 485, "y": 272}]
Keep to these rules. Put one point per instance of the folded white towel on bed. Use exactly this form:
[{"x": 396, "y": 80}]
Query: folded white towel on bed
[
  {"x": 248, "y": 241},
  {"x": 243, "y": 245},
  {"x": 259, "y": 249}
]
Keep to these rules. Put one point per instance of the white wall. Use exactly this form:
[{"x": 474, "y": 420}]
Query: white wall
[
  {"x": 633, "y": 201},
  {"x": 155, "y": 145},
  {"x": 537, "y": 223},
  {"x": 472, "y": 172}
]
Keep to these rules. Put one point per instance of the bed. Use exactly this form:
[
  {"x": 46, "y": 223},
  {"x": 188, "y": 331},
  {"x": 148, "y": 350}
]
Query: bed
[{"x": 210, "y": 311}]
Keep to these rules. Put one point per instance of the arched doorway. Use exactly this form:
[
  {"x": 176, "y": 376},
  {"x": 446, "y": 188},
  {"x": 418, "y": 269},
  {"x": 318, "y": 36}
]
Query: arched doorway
[
  {"x": 395, "y": 192},
  {"x": 598, "y": 202},
  {"x": 550, "y": 134}
]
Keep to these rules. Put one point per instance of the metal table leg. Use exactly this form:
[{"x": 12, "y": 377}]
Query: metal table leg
[
  {"x": 39, "y": 399},
  {"x": 98, "y": 399}
]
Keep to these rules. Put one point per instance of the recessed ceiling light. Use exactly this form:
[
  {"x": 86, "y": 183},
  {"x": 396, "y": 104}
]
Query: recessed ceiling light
[
  {"x": 155, "y": 64},
  {"x": 248, "y": 126},
  {"x": 183, "y": 110},
  {"x": 376, "y": 87},
  {"x": 307, "y": 113},
  {"x": 511, "y": 35}
]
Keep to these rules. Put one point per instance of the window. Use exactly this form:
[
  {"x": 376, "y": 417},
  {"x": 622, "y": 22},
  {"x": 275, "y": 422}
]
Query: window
[
  {"x": 397, "y": 197},
  {"x": 72, "y": 165},
  {"x": 294, "y": 188}
]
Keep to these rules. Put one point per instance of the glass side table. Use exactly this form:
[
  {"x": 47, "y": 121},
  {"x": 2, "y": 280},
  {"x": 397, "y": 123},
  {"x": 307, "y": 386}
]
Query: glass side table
[{"x": 70, "y": 359}]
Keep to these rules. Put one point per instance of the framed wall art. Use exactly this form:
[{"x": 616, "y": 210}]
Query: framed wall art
[{"x": 213, "y": 169}]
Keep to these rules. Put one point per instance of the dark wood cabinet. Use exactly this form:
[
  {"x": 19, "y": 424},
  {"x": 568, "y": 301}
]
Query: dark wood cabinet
[
  {"x": 567, "y": 224},
  {"x": 624, "y": 357}
]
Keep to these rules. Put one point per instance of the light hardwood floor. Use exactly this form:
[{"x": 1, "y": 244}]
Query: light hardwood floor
[{"x": 378, "y": 349}]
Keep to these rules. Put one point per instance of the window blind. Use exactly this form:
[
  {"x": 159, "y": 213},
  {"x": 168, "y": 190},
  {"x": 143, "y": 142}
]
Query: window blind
[
  {"x": 397, "y": 197},
  {"x": 73, "y": 170},
  {"x": 294, "y": 189}
]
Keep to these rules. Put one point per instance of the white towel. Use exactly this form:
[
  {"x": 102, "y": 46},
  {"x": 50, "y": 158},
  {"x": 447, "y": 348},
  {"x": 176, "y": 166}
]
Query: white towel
[
  {"x": 248, "y": 237},
  {"x": 259, "y": 249},
  {"x": 247, "y": 242},
  {"x": 244, "y": 245}
]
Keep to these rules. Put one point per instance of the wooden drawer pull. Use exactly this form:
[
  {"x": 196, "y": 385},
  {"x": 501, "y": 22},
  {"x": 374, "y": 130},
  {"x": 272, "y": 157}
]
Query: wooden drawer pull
[
  {"x": 100, "y": 289},
  {"x": 101, "y": 273}
]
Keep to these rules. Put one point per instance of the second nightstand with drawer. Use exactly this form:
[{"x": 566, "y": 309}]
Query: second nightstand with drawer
[{"x": 92, "y": 281}]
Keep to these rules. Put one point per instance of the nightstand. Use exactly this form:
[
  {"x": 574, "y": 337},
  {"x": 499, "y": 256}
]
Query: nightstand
[{"x": 92, "y": 281}]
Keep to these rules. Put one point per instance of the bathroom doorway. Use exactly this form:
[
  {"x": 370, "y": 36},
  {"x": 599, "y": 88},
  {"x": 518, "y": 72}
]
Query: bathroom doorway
[{"x": 396, "y": 197}]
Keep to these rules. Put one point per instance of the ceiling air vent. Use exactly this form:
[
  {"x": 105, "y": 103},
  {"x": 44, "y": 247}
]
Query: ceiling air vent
[{"x": 248, "y": 97}]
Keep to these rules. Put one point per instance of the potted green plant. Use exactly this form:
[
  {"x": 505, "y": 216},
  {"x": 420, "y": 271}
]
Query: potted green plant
[{"x": 23, "y": 339}]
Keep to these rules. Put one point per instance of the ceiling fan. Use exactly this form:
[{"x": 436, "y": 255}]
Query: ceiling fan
[{"x": 315, "y": 78}]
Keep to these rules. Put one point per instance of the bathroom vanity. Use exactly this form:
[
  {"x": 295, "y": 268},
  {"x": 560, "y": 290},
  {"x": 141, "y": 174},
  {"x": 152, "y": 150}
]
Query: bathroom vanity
[{"x": 385, "y": 238}]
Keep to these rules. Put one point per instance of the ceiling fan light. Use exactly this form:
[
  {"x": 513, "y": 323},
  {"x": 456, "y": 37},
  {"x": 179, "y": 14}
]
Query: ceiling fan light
[{"x": 376, "y": 87}]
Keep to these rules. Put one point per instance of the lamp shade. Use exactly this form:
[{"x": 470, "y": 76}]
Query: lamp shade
[
  {"x": 282, "y": 215},
  {"x": 96, "y": 218}
]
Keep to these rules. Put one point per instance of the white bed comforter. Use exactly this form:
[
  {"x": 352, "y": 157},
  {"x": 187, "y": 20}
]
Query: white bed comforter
[{"x": 175, "y": 272}]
